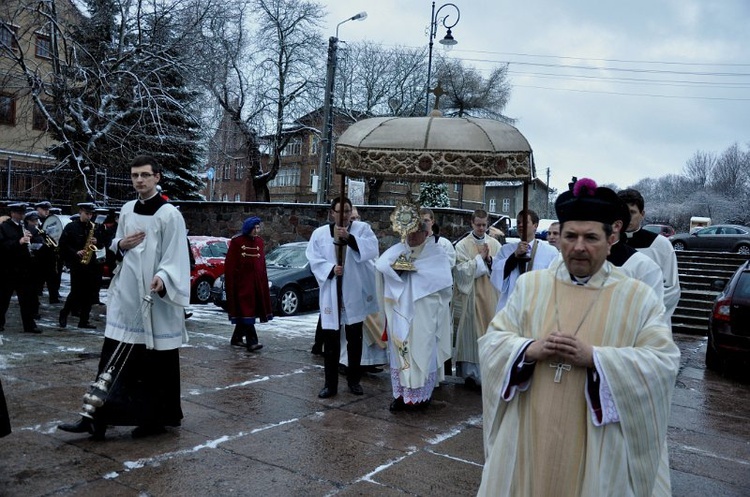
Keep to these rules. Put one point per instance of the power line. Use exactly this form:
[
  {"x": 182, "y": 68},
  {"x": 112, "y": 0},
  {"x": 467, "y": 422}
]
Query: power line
[{"x": 691, "y": 97}]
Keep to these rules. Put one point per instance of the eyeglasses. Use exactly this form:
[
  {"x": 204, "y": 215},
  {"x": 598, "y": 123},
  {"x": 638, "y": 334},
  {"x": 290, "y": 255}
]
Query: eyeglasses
[
  {"x": 346, "y": 211},
  {"x": 141, "y": 175}
]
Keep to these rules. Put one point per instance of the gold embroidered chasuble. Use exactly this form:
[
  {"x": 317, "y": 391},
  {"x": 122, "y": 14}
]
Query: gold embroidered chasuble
[{"x": 543, "y": 441}]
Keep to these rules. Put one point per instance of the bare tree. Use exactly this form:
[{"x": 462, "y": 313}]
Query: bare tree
[
  {"x": 467, "y": 93},
  {"x": 378, "y": 81},
  {"x": 698, "y": 168},
  {"x": 730, "y": 174},
  {"x": 260, "y": 60}
]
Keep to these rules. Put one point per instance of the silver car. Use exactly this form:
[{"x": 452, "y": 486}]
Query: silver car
[{"x": 718, "y": 238}]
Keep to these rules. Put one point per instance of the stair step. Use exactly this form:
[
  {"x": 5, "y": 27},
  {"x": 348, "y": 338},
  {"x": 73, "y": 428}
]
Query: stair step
[
  {"x": 693, "y": 320},
  {"x": 689, "y": 329}
]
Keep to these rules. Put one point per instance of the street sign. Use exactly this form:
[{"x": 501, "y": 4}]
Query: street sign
[{"x": 210, "y": 173}]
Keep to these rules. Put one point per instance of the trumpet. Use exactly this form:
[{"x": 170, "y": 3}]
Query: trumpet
[
  {"x": 27, "y": 234},
  {"x": 48, "y": 240}
]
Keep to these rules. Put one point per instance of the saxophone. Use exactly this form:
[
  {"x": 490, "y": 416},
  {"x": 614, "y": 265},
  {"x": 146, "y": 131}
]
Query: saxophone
[{"x": 89, "y": 247}]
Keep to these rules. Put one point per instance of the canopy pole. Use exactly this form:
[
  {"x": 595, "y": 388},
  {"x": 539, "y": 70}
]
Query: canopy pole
[
  {"x": 523, "y": 261},
  {"x": 340, "y": 244}
]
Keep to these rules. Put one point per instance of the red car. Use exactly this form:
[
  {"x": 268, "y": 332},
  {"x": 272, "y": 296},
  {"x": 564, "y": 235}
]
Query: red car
[
  {"x": 206, "y": 264},
  {"x": 660, "y": 229}
]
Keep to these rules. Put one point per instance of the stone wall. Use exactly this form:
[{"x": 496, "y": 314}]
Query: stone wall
[{"x": 287, "y": 222}]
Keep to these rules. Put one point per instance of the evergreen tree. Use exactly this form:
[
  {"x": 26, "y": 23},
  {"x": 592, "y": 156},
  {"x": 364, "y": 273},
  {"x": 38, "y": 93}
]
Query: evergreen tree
[{"x": 434, "y": 195}]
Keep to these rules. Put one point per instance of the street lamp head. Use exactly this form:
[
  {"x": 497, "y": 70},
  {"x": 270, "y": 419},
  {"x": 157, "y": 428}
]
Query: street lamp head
[
  {"x": 360, "y": 17},
  {"x": 449, "y": 40}
]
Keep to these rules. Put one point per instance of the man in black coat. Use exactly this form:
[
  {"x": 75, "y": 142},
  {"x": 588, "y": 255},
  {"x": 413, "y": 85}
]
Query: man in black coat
[
  {"x": 76, "y": 244},
  {"x": 15, "y": 269}
]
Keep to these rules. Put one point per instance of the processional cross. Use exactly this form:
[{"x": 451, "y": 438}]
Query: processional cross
[
  {"x": 561, "y": 367},
  {"x": 438, "y": 92}
]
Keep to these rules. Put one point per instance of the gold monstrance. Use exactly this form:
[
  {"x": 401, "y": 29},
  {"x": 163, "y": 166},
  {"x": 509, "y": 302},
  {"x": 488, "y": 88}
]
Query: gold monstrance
[{"x": 404, "y": 220}]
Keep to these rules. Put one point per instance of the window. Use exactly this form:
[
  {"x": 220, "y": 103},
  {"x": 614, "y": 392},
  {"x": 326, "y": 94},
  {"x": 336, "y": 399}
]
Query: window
[
  {"x": 455, "y": 187},
  {"x": 7, "y": 110},
  {"x": 314, "y": 144},
  {"x": 293, "y": 148},
  {"x": 225, "y": 197},
  {"x": 227, "y": 175},
  {"x": 237, "y": 197},
  {"x": 287, "y": 176},
  {"x": 43, "y": 46},
  {"x": 506, "y": 205},
  {"x": 40, "y": 120},
  {"x": 239, "y": 169},
  {"x": 8, "y": 36},
  {"x": 493, "y": 205}
]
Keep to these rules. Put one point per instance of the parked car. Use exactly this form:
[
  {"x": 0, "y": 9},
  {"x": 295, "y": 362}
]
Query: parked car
[
  {"x": 209, "y": 253},
  {"x": 718, "y": 237},
  {"x": 290, "y": 280},
  {"x": 660, "y": 229},
  {"x": 729, "y": 323}
]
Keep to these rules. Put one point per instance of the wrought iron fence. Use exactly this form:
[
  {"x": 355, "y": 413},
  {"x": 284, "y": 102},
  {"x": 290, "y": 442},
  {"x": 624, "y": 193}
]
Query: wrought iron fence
[{"x": 31, "y": 182}]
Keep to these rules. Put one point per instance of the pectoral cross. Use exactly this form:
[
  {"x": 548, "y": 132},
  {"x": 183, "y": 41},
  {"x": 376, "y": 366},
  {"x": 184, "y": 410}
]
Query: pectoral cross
[{"x": 560, "y": 367}]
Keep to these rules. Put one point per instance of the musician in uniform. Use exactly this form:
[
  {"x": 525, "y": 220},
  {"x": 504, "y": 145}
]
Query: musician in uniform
[
  {"x": 14, "y": 272},
  {"x": 77, "y": 246},
  {"x": 36, "y": 243},
  {"x": 48, "y": 257}
]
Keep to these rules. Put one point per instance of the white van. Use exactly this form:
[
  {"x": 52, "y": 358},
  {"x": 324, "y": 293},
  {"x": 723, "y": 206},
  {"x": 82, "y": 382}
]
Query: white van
[{"x": 697, "y": 223}]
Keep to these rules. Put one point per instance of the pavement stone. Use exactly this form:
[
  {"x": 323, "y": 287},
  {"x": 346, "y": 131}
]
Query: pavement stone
[{"x": 254, "y": 425}]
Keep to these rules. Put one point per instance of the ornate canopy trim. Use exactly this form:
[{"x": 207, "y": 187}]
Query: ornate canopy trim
[
  {"x": 438, "y": 149},
  {"x": 434, "y": 166}
]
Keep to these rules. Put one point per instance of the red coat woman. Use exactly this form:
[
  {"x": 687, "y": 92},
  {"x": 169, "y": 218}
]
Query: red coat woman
[{"x": 246, "y": 283}]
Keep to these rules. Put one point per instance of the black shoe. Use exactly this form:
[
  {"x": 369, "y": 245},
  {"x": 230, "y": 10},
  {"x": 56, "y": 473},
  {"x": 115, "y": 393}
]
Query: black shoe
[
  {"x": 371, "y": 369},
  {"x": 33, "y": 330},
  {"x": 254, "y": 348},
  {"x": 397, "y": 405},
  {"x": 327, "y": 392},
  {"x": 188, "y": 315},
  {"x": 84, "y": 425},
  {"x": 317, "y": 349},
  {"x": 147, "y": 431},
  {"x": 87, "y": 326},
  {"x": 356, "y": 389},
  {"x": 238, "y": 343},
  {"x": 63, "y": 319}
]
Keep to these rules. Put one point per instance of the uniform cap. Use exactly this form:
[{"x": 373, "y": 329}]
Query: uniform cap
[
  {"x": 44, "y": 204},
  {"x": 87, "y": 206}
]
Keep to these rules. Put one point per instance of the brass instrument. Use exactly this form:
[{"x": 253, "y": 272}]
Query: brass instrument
[
  {"x": 48, "y": 240},
  {"x": 89, "y": 247}
]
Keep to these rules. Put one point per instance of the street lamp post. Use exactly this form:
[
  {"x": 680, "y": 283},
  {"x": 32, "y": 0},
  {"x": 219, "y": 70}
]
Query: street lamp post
[
  {"x": 326, "y": 132},
  {"x": 448, "y": 41}
]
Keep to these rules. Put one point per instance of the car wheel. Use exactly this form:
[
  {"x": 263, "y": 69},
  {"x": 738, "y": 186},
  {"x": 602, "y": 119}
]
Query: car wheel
[
  {"x": 743, "y": 249},
  {"x": 202, "y": 291},
  {"x": 713, "y": 361},
  {"x": 289, "y": 301},
  {"x": 679, "y": 246}
]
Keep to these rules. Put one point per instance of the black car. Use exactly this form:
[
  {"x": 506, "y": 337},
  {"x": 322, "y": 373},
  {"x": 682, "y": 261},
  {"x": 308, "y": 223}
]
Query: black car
[
  {"x": 290, "y": 280},
  {"x": 729, "y": 323},
  {"x": 718, "y": 237}
]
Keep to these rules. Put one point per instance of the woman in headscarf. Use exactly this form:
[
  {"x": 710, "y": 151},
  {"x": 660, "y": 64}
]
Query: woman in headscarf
[{"x": 246, "y": 283}]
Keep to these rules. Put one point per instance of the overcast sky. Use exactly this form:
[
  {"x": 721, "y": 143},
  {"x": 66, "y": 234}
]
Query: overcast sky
[{"x": 615, "y": 91}]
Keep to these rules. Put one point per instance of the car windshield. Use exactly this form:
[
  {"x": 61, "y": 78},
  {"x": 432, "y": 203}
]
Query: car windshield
[
  {"x": 287, "y": 257},
  {"x": 653, "y": 228}
]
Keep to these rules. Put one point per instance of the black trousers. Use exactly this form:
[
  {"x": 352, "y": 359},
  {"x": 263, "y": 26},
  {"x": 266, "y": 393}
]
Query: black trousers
[
  {"x": 83, "y": 282},
  {"x": 26, "y": 291},
  {"x": 4, "y": 417},
  {"x": 332, "y": 351}
]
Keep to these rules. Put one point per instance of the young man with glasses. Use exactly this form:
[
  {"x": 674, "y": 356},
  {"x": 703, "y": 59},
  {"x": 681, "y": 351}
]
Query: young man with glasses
[
  {"x": 151, "y": 243},
  {"x": 338, "y": 253}
]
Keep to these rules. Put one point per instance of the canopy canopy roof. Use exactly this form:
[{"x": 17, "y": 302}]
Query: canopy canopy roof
[{"x": 435, "y": 149}]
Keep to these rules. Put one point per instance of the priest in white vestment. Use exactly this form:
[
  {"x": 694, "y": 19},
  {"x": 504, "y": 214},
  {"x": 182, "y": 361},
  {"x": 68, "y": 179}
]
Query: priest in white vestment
[
  {"x": 508, "y": 265},
  {"x": 582, "y": 369},
  {"x": 474, "y": 297},
  {"x": 416, "y": 307},
  {"x": 347, "y": 290},
  {"x": 146, "y": 304}
]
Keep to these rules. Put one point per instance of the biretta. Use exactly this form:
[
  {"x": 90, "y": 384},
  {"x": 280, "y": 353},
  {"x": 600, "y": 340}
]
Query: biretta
[{"x": 587, "y": 202}]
